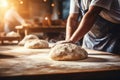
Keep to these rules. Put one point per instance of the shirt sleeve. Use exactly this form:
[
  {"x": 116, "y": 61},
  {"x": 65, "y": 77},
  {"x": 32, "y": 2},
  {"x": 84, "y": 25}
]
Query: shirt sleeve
[
  {"x": 18, "y": 17},
  {"x": 106, "y": 4},
  {"x": 74, "y": 7}
]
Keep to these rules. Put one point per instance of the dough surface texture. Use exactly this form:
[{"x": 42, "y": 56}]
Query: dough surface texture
[
  {"x": 36, "y": 44},
  {"x": 27, "y": 38},
  {"x": 67, "y": 52},
  {"x": 12, "y": 34}
]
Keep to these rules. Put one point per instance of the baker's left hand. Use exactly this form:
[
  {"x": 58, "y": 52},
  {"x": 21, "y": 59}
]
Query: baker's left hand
[{"x": 62, "y": 42}]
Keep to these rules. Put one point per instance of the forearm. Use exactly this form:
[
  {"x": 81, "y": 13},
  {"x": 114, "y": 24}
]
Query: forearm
[
  {"x": 84, "y": 26},
  {"x": 72, "y": 24},
  {"x": 69, "y": 29},
  {"x": 86, "y": 23}
]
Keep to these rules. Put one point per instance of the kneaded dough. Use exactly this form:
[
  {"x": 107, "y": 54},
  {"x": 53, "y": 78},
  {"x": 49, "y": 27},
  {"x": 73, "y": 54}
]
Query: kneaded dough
[
  {"x": 67, "y": 52},
  {"x": 27, "y": 38},
  {"x": 12, "y": 34},
  {"x": 36, "y": 44}
]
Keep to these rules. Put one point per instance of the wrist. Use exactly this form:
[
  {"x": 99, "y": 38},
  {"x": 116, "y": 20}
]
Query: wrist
[{"x": 70, "y": 41}]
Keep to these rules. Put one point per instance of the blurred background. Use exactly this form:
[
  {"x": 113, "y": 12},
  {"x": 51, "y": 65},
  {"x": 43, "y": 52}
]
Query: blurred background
[
  {"x": 49, "y": 14},
  {"x": 31, "y": 9}
]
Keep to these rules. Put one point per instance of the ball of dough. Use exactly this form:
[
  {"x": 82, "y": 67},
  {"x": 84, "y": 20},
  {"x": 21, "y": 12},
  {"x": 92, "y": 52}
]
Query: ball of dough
[
  {"x": 36, "y": 44},
  {"x": 27, "y": 38},
  {"x": 12, "y": 34},
  {"x": 67, "y": 52}
]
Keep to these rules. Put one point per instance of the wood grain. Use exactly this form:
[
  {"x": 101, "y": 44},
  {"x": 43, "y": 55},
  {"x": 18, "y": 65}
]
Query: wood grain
[{"x": 17, "y": 61}]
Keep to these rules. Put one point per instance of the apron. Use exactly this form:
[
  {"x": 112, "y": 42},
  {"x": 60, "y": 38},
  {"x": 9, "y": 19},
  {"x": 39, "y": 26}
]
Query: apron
[{"x": 104, "y": 36}]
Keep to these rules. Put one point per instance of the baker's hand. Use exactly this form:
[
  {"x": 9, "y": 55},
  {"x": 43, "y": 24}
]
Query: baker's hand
[{"x": 62, "y": 42}]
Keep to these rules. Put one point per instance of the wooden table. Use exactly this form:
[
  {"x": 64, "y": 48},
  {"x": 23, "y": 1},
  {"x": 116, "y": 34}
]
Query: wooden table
[
  {"x": 19, "y": 63},
  {"x": 27, "y": 30},
  {"x": 4, "y": 38}
]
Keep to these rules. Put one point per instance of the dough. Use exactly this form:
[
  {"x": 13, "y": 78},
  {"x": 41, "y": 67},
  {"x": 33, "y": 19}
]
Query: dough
[
  {"x": 27, "y": 38},
  {"x": 36, "y": 44},
  {"x": 67, "y": 52},
  {"x": 12, "y": 34}
]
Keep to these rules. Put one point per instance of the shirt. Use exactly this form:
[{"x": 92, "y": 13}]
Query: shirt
[
  {"x": 12, "y": 16},
  {"x": 110, "y": 12}
]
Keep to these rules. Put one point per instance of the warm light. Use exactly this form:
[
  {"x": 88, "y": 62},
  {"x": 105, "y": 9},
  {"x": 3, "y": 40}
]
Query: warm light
[
  {"x": 46, "y": 18},
  {"x": 46, "y": 22},
  {"x": 45, "y": 0},
  {"x": 3, "y": 3},
  {"x": 52, "y": 4},
  {"x": 21, "y": 2}
]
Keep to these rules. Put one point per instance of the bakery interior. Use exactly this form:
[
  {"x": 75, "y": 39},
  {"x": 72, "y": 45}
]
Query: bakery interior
[{"x": 47, "y": 19}]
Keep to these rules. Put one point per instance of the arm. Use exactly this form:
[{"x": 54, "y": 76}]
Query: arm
[
  {"x": 18, "y": 17},
  {"x": 72, "y": 23},
  {"x": 86, "y": 23}
]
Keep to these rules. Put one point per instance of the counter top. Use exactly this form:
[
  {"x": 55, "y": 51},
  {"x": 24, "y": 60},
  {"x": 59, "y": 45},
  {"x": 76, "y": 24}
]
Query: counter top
[{"x": 19, "y": 61}]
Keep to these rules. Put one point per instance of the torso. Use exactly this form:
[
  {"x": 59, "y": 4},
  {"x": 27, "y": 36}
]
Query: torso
[{"x": 111, "y": 11}]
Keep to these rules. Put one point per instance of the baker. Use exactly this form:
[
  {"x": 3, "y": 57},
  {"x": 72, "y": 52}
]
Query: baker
[
  {"x": 12, "y": 18},
  {"x": 99, "y": 26}
]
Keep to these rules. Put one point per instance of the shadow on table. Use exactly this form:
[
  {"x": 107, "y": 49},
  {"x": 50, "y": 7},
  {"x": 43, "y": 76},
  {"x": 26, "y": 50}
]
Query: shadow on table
[{"x": 2, "y": 56}]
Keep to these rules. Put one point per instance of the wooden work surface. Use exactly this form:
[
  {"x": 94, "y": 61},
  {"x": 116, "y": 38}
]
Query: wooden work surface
[
  {"x": 4, "y": 38},
  {"x": 53, "y": 29},
  {"x": 19, "y": 61}
]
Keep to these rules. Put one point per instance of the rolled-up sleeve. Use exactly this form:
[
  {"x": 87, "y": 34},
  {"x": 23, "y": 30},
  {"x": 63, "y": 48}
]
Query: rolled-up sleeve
[
  {"x": 106, "y": 4},
  {"x": 74, "y": 8}
]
